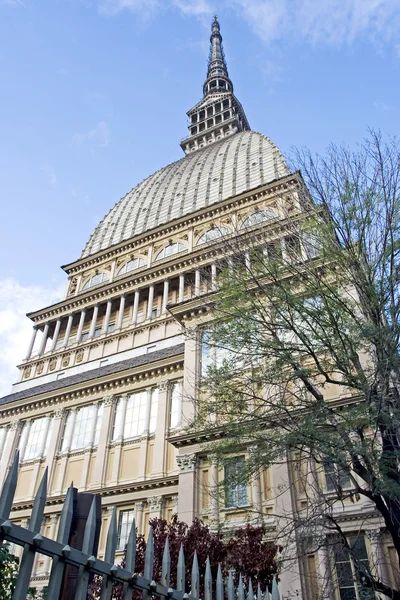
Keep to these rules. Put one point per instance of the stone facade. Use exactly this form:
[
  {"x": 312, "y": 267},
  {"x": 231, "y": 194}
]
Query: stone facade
[{"x": 110, "y": 380}]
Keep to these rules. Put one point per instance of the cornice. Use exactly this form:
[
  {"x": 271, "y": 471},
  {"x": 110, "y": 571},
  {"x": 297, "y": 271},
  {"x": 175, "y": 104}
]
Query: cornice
[
  {"x": 154, "y": 274},
  {"x": 181, "y": 223},
  {"x": 114, "y": 383},
  {"x": 122, "y": 488}
]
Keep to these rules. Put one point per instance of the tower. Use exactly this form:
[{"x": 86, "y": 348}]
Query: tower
[{"x": 219, "y": 113}]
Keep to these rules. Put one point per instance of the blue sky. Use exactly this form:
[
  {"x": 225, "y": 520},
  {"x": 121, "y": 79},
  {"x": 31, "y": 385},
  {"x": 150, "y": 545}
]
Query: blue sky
[{"x": 94, "y": 97}]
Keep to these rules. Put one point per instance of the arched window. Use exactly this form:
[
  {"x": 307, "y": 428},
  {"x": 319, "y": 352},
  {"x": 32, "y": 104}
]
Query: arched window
[
  {"x": 258, "y": 217},
  {"x": 212, "y": 234},
  {"x": 131, "y": 265},
  {"x": 96, "y": 280},
  {"x": 170, "y": 250}
]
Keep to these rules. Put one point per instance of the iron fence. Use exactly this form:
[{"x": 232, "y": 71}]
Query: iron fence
[{"x": 87, "y": 563}]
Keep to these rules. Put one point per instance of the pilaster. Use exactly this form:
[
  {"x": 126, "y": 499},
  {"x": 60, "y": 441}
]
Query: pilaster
[{"x": 187, "y": 504}]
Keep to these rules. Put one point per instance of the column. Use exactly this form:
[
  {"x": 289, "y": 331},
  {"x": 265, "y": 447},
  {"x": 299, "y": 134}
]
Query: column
[
  {"x": 55, "y": 335},
  {"x": 31, "y": 343},
  {"x": 112, "y": 272},
  {"x": 256, "y": 496},
  {"x": 144, "y": 441},
  {"x": 52, "y": 536},
  {"x": 80, "y": 326},
  {"x": 104, "y": 438},
  {"x": 94, "y": 321},
  {"x": 181, "y": 295},
  {"x": 214, "y": 494},
  {"x": 187, "y": 464},
  {"x": 150, "y": 301},
  {"x": 165, "y": 297},
  {"x": 324, "y": 575},
  {"x": 190, "y": 378},
  {"x": 247, "y": 260},
  {"x": 107, "y": 317},
  {"x": 156, "y": 504},
  {"x": 121, "y": 311},
  {"x": 290, "y": 584},
  {"x": 158, "y": 469},
  {"x": 197, "y": 281},
  {"x": 44, "y": 339},
  {"x": 68, "y": 330},
  {"x": 377, "y": 566},
  {"x": 58, "y": 417},
  {"x": 135, "y": 307},
  {"x": 58, "y": 485},
  {"x": 9, "y": 449},
  {"x": 213, "y": 277},
  {"x": 139, "y": 507}
]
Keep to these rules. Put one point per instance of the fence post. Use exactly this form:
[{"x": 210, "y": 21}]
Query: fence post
[
  {"x": 28, "y": 555},
  {"x": 82, "y": 508}
]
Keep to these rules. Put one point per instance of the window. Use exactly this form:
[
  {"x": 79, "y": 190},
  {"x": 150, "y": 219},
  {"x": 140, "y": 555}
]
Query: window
[
  {"x": 170, "y": 250},
  {"x": 349, "y": 564},
  {"x": 153, "y": 410},
  {"x": 131, "y": 265},
  {"x": 3, "y": 438},
  {"x": 82, "y": 428},
  {"x": 96, "y": 280},
  {"x": 133, "y": 415},
  {"x": 335, "y": 477},
  {"x": 124, "y": 527},
  {"x": 34, "y": 439},
  {"x": 235, "y": 483},
  {"x": 258, "y": 217},
  {"x": 212, "y": 354},
  {"x": 175, "y": 412},
  {"x": 213, "y": 234}
]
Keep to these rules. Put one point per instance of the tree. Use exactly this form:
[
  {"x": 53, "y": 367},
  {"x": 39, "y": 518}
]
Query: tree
[
  {"x": 246, "y": 552},
  {"x": 305, "y": 337},
  {"x": 8, "y": 572}
]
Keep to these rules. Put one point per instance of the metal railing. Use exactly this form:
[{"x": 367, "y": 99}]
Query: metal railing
[{"x": 63, "y": 554}]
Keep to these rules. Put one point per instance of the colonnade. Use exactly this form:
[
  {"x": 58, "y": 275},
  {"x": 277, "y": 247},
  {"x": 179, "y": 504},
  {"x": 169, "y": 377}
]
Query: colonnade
[{"x": 59, "y": 331}]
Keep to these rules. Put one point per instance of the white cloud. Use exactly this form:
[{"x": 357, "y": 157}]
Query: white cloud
[
  {"x": 15, "y": 328},
  {"x": 333, "y": 22},
  {"x": 323, "y": 21},
  {"x": 98, "y": 136},
  {"x": 144, "y": 7},
  {"x": 197, "y": 8}
]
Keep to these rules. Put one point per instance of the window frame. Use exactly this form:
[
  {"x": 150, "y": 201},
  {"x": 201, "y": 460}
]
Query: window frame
[
  {"x": 105, "y": 278},
  {"x": 181, "y": 247},
  {"x": 123, "y": 270},
  {"x": 238, "y": 491},
  {"x": 221, "y": 231},
  {"x": 127, "y": 527}
]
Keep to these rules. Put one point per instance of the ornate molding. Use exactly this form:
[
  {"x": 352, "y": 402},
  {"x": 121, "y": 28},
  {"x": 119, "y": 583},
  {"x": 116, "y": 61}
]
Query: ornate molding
[
  {"x": 163, "y": 386},
  {"x": 155, "y": 503},
  {"x": 109, "y": 400},
  {"x": 187, "y": 462}
]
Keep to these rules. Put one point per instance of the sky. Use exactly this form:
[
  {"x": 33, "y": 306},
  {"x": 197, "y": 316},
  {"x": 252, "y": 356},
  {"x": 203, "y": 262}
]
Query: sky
[{"x": 94, "y": 95}]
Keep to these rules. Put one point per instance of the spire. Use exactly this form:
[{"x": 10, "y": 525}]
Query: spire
[
  {"x": 219, "y": 113},
  {"x": 217, "y": 73}
]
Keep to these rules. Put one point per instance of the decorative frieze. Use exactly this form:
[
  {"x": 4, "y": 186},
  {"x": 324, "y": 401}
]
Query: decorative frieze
[{"x": 187, "y": 462}]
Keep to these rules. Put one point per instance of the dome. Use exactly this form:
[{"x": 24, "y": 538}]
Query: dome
[{"x": 237, "y": 164}]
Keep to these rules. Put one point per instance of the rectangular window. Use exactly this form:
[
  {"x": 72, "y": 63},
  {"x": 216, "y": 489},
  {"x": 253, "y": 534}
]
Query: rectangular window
[
  {"x": 335, "y": 477},
  {"x": 153, "y": 410},
  {"x": 3, "y": 438},
  {"x": 349, "y": 564},
  {"x": 235, "y": 482},
  {"x": 175, "y": 412},
  {"x": 124, "y": 527},
  {"x": 111, "y": 327},
  {"x": 206, "y": 358},
  {"x": 135, "y": 418},
  {"x": 82, "y": 428},
  {"x": 34, "y": 438}
]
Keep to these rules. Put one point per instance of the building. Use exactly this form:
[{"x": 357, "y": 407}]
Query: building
[{"x": 108, "y": 384}]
